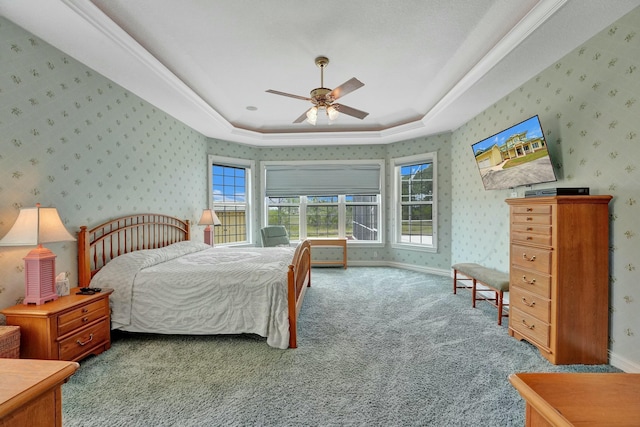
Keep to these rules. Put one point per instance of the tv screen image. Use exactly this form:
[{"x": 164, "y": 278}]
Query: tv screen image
[{"x": 515, "y": 157}]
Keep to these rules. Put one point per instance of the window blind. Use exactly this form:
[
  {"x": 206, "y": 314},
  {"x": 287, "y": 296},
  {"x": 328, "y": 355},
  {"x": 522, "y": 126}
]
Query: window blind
[{"x": 322, "y": 179}]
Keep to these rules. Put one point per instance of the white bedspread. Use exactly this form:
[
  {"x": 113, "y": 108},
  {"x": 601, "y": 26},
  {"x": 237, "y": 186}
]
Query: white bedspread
[{"x": 193, "y": 288}]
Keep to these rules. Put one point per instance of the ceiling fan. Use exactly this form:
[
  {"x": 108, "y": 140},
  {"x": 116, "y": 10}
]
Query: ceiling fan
[{"x": 324, "y": 98}]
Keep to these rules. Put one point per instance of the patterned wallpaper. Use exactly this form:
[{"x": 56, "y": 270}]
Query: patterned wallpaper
[
  {"x": 72, "y": 139},
  {"x": 442, "y": 259},
  {"x": 589, "y": 106}
]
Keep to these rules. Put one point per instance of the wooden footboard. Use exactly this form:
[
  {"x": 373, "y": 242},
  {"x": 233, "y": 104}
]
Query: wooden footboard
[{"x": 299, "y": 279}]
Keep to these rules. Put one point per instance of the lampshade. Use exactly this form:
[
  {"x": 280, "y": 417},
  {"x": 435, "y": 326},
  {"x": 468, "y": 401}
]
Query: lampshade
[
  {"x": 209, "y": 217},
  {"x": 35, "y": 226}
]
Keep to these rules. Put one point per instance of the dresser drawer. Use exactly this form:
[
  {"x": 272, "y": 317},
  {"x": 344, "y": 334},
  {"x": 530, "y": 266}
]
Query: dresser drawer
[
  {"x": 531, "y": 304},
  {"x": 539, "y": 239},
  {"x": 531, "y": 219},
  {"x": 518, "y": 227},
  {"x": 531, "y": 209},
  {"x": 531, "y": 258},
  {"x": 82, "y": 315},
  {"x": 530, "y": 327},
  {"x": 83, "y": 341},
  {"x": 531, "y": 281}
]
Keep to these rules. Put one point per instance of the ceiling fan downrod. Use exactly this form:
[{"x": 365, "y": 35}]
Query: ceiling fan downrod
[{"x": 322, "y": 61}]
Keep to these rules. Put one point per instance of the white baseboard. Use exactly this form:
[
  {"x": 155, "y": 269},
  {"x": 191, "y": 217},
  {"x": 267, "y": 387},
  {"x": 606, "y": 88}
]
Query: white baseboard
[
  {"x": 421, "y": 269},
  {"x": 625, "y": 364}
]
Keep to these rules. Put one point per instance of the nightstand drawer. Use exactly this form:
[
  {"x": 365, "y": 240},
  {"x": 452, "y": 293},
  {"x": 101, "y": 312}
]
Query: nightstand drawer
[
  {"x": 529, "y": 326},
  {"x": 531, "y": 304},
  {"x": 83, "y": 341},
  {"x": 86, "y": 314}
]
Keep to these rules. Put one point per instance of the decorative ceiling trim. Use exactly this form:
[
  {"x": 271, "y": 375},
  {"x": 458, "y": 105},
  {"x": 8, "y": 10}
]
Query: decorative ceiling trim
[
  {"x": 527, "y": 25},
  {"x": 101, "y": 22}
]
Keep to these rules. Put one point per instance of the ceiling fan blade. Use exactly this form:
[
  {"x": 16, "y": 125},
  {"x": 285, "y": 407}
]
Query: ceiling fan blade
[
  {"x": 302, "y": 118},
  {"x": 346, "y": 87},
  {"x": 349, "y": 111},
  {"x": 277, "y": 92}
]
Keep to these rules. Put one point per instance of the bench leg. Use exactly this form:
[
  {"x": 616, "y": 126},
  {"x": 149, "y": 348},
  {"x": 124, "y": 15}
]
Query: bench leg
[
  {"x": 473, "y": 293},
  {"x": 499, "y": 296},
  {"x": 455, "y": 282}
]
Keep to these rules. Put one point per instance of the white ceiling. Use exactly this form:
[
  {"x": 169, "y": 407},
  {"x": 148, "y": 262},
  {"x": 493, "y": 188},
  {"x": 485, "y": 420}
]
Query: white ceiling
[{"x": 428, "y": 66}]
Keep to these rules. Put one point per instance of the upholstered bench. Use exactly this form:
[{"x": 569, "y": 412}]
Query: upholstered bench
[{"x": 495, "y": 281}]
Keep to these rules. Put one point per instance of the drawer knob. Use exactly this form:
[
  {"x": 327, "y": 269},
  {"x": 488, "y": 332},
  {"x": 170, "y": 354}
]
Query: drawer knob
[
  {"x": 524, "y": 322},
  {"x": 529, "y": 228},
  {"x": 85, "y": 310},
  {"x": 529, "y": 218},
  {"x": 85, "y": 342},
  {"x": 85, "y": 319},
  {"x": 529, "y": 209},
  {"x": 531, "y": 259},
  {"x": 531, "y": 304},
  {"x": 530, "y": 282}
]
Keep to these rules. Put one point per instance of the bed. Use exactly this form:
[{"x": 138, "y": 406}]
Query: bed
[{"x": 165, "y": 283}]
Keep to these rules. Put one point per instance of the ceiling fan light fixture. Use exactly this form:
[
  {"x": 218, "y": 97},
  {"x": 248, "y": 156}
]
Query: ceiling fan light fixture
[
  {"x": 332, "y": 112},
  {"x": 312, "y": 115}
]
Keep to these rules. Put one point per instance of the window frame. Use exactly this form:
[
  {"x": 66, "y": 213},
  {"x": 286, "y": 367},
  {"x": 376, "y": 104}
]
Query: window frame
[
  {"x": 396, "y": 166},
  {"x": 249, "y": 167}
]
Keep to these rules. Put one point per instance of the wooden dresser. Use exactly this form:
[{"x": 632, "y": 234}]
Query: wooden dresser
[
  {"x": 31, "y": 392},
  {"x": 579, "y": 399},
  {"x": 559, "y": 276},
  {"x": 69, "y": 328}
]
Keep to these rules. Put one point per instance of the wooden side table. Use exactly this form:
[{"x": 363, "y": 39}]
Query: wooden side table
[
  {"x": 339, "y": 242},
  {"x": 69, "y": 328},
  {"x": 585, "y": 399},
  {"x": 31, "y": 393}
]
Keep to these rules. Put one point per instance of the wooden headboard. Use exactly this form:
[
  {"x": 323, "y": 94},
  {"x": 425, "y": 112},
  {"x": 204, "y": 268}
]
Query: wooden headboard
[{"x": 101, "y": 244}]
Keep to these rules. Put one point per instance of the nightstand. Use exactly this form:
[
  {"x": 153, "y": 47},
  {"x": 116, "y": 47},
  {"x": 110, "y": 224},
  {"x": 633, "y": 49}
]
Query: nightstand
[{"x": 69, "y": 328}]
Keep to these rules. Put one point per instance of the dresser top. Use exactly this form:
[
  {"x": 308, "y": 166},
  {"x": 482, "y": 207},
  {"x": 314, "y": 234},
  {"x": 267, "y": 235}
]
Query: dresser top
[
  {"x": 604, "y": 199},
  {"x": 22, "y": 379}
]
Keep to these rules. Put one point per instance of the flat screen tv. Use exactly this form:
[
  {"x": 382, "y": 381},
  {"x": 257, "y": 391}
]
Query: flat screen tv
[{"x": 515, "y": 157}]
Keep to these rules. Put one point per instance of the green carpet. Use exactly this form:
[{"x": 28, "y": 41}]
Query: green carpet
[{"x": 377, "y": 347}]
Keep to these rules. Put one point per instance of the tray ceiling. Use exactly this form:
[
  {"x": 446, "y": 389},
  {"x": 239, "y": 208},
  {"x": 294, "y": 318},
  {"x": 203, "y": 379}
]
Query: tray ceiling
[{"x": 428, "y": 66}]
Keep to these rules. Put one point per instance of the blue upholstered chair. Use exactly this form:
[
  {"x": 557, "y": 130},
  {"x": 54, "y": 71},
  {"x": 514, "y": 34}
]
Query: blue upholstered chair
[{"x": 274, "y": 235}]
